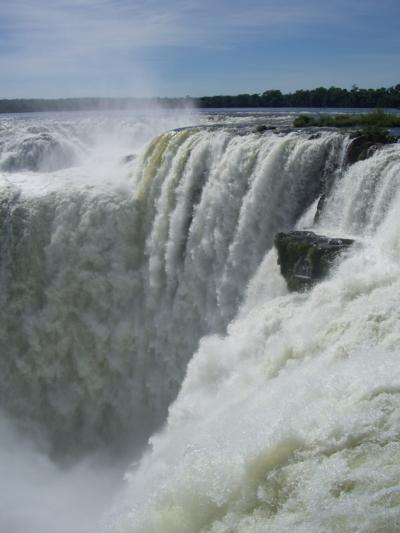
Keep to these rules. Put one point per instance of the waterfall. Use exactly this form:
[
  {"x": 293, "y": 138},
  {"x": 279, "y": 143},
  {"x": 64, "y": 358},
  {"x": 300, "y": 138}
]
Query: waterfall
[
  {"x": 289, "y": 421},
  {"x": 105, "y": 294},
  {"x": 140, "y": 297}
]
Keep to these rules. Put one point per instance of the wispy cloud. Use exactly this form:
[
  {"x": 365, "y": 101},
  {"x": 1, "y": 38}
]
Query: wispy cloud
[
  {"x": 85, "y": 26},
  {"x": 76, "y": 38}
]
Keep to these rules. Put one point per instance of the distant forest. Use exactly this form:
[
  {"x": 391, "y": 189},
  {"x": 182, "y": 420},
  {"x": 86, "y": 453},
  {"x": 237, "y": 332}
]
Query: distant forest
[{"x": 319, "y": 97}]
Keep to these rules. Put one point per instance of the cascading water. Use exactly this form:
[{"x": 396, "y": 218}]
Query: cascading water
[
  {"x": 111, "y": 275},
  {"x": 106, "y": 296},
  {"x": 291, "y": 422}
]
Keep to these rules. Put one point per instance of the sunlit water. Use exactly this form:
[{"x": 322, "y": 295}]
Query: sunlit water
[{"x": 137, "y": 273}]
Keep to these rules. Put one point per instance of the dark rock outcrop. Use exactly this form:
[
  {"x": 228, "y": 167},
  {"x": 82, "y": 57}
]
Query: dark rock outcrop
[
  {"x": 305, "y": 257},
  {"x": 364, "y": 145},
  {"x": 262, "y": 128}
]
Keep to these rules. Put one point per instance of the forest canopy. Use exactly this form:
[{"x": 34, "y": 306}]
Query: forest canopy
[{"x": 319, "y": 97}]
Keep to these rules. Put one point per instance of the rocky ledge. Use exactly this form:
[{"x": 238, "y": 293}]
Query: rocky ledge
[
  {"x": 364, "y": 144},
  {"x": 305, "y": 257}
]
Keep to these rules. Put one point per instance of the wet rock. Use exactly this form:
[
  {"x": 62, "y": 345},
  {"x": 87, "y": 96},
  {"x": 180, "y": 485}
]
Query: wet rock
[
  {"x": 305, "y": 257},
  {"x": 314, "y": 136},
  {"x": 320, "y": 206},
  {"x": 362, "y": 146},
  {"x": 365, "y": 144},
  {"x": 262, "y": 128}
]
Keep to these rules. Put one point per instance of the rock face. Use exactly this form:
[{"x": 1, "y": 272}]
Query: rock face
[
  {"x": 364, "y": 144},
  {"x": 262, "y": 128},
  {"x": 305, "y": 257}
]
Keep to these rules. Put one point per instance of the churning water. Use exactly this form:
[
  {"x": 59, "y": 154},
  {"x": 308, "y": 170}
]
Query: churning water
[{"x": 140, "y": 295}]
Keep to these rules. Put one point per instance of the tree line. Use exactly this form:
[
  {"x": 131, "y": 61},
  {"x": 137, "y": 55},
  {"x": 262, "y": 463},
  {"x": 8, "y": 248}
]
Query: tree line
[{"x": 319, "y": 97}]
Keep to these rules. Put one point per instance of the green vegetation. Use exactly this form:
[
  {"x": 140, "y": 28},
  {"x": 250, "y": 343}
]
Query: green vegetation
[
  {"x": 319, "y": 97},
  {"x": 376, "y": 121},
  {"x": 374, "y": 134}
]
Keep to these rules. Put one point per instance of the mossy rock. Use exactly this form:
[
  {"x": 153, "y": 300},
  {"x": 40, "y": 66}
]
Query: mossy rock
[{"x": 306, "y": 258}]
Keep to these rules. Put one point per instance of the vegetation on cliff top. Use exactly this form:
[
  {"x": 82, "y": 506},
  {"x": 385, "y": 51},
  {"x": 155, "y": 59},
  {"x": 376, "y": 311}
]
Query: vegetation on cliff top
[
  {"x": 319, "y": 97},
  {"x": 376, "y": 119}
]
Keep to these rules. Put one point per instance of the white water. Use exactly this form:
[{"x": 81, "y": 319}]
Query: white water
[
  {"x": 287, "y": 422},
  {"x": 291, "y": 421}
]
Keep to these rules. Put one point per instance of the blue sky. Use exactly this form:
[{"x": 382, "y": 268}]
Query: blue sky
[{"x": 64, "y": 48}]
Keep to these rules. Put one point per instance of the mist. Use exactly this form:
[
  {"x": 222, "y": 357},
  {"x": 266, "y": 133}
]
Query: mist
[
  {"x": 41, "y": 496},
  {"x": 60, "y": 472}
]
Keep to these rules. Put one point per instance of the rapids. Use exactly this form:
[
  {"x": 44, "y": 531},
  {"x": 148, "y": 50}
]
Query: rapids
[{"x": 143, "y": 291}]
